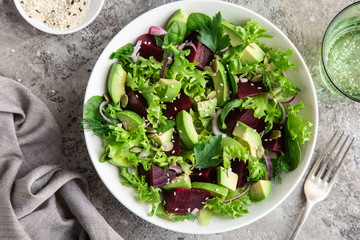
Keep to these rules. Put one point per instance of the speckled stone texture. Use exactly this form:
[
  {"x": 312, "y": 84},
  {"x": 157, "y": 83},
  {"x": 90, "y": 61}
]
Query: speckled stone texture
[{"x": 57, "y": 68}]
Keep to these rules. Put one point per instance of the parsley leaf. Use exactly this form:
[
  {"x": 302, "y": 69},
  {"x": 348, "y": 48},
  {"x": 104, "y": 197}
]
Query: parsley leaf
[
  {"x": 212, "y": 34},
  {"x": 206, "y": 151}
]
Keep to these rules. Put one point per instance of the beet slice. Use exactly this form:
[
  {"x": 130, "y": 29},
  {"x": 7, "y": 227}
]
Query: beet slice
[
  {"x": 204, "y": 175},
  {"x": 249, "y": 89},
  {"x": 147, "y": 39},
  {"x": 246, "y": 116},
  {"x": 176, "y": 142},
  {"x": 275, "y": 145},
  {"x": 240, "y": 168},
  {"x": 157, "y": 176},
  {"x": 183, "y": 102},
  {"x": 148, "y": 48},
  {"x": 137, "y": 103},
  {"x": 203, "y": 54},
  {"x": 181, "y": 200}
]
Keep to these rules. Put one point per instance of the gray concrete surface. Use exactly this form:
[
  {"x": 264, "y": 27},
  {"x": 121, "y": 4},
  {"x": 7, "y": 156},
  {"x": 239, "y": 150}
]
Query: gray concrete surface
[{"x": 57, "y": 68}]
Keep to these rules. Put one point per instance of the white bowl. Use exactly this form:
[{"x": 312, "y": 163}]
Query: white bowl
[
  {"x": 94, "y": 9},
  {"x": 238, "y": 15}
]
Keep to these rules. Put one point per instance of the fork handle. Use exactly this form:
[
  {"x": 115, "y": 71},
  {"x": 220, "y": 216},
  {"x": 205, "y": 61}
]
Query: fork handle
[{"x": 304, "y": 215}]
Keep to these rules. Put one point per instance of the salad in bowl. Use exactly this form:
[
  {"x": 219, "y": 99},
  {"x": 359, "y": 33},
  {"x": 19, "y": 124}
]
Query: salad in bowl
[{"x": 199, "y": 117}]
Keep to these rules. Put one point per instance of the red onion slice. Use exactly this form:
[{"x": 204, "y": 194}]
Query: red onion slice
[
  {"x": 155, "y": 30},
  {"x": 284, "y": 113},
  {"x": 289, "y": 100},
  {"x": 240, "y": 196},
  {"x": 103, "y": 104},
  {"x": 269, "y": 166},
  {"x": 214, "y": 125},
  {"x": 166, "y": 62},
  {"x": 177, "y": 169},
  {"x": 135, "y": 53},
  {"x": 187, "y": 44},
  {"x": 223, "y": 50}
]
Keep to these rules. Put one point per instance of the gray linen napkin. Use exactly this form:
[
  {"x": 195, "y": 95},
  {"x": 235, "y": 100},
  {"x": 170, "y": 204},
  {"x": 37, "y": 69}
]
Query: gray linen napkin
[{"x": 38, "y": 198}]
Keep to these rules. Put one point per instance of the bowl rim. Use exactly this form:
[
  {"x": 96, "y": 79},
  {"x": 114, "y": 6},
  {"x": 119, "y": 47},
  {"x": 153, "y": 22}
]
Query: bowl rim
[
  {"x": 42, "y": 27},
  {"x": 322, "y": 54},
  {"x": 311, "y": 144}
]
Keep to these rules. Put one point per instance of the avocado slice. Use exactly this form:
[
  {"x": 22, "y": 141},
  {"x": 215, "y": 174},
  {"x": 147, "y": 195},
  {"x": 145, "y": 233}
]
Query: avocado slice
[
  {"x": 230, "y": 29},
  {"x": 260, "y": 190},
  {"x": 206, "y": 108},
  {"x": 251, "y": 54},
  {"x": 116, "y": 82},
  {"x": 214, "y": 189},
  {"x": 182, "y": 181},
  {"x": 168, "y": 89},
  {"x": 186, "y": 129},
  {"x": 204, "y": 216},
  {"x": 178, "y": 16},
  {"x": 130, "y": 120},
  {"x": 249, "y": 138},
  {"x": 221, "y": 83},
  {"x": 161, "y": 138},
  {"x": 226, "y": 178}
]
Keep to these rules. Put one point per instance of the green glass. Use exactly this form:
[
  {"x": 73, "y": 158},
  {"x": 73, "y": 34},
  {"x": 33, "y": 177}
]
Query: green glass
[{"x": 340, "y": 53}]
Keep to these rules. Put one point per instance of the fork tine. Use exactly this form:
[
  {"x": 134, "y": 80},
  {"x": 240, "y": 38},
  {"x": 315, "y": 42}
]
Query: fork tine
[
  {"x": 331, "y": 182},
  {"x": 320, "y": 157},
  {"x": 328, "y": 159},
  {"x": 335, "y": 160}
]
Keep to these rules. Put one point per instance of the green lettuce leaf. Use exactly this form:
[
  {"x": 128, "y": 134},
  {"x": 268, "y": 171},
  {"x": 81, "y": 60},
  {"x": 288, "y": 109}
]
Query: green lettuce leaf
[
  {"x": 193, "y": 81},
  {"x": 257, "y": 169},
  {"x": 235, "y": 208},
  {"x": 264, "y": 107},
  {"x": 146, "y": 193},
  {"x": 299, "y": 129}
]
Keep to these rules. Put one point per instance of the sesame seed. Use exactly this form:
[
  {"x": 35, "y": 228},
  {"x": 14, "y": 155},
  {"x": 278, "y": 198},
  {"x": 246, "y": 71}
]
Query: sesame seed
[
  {"x": 174, "y": 193},
  {"x": 252, "y": 84},
  {"x": 56, "y": 14},
  {"x": 173, "y": 151},
  {"x": 259, "y": 88},
  {"x": 175, "y": 108},
  {"x": 176, "y": 209},
  {"x": 180, "y": 131},
  {"x": 189, "y": 209}
]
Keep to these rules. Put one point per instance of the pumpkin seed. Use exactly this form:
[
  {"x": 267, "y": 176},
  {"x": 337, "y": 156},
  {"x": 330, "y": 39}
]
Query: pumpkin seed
[
  {"x": 215, "y": 65},
  {"x": 275, "y": 134},
  {"x": 136, "y": 149},
  {"x": 107, "y": 97},
  {"x": 167, "y": 146},
  {"x": 150, "y": 130},
  {"x": 257, "y": 78},
  {"x": 211, "y": 72},
  {"x": 154, "y": 149},
  {"x": 211, "y": 95},
  {"x": 124, "y": 100},
  {"x": 266, "y": 60}
]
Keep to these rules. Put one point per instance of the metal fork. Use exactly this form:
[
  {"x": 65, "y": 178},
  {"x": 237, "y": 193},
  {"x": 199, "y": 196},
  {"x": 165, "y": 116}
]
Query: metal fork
[{"x": 322, "y": 175}]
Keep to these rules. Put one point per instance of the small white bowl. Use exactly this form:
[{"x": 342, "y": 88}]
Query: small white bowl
[{"x": 94, "y": 9}]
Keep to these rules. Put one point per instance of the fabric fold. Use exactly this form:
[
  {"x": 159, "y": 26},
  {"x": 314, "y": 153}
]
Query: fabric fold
[{"x": 39, "y": 199}]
